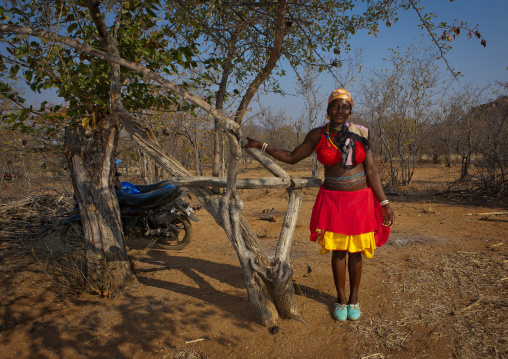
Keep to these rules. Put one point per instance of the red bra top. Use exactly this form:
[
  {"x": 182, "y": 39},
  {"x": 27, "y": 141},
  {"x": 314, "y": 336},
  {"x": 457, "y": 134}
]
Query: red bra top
[{"x": 329, "y": 156}]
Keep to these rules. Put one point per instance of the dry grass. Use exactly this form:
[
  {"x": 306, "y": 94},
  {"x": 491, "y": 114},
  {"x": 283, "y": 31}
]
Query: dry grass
[
  {"x": 31, "y": 225},
  {"x": 31, "y": 218},
  {"x": 425, "y": 294}
]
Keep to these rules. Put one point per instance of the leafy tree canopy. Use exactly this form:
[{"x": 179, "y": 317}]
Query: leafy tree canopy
[{"x": 191, "y": 39}]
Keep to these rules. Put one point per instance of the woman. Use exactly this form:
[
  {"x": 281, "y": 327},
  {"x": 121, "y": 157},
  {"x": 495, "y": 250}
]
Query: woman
[{"x": 351, "y": 213}]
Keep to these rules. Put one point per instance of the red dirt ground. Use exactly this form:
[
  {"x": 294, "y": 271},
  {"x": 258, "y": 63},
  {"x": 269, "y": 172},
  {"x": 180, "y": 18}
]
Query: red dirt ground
[{"x": 438, "y": 289}]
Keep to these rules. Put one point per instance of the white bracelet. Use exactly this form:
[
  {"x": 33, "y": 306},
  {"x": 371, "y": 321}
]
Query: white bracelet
[
  {"x": 385, "y": 202},
  {"x": 263, "y": 148}
]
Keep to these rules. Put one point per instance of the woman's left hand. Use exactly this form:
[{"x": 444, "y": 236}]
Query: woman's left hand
[{"x": 388, "y": 216}]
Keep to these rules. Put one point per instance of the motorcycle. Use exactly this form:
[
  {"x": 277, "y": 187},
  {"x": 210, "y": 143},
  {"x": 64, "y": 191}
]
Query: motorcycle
[{"x": 158, "y": 211}]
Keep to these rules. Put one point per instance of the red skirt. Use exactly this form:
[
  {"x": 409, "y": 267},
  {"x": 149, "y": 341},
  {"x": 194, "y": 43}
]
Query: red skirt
[{"x": 348, "y": 213}]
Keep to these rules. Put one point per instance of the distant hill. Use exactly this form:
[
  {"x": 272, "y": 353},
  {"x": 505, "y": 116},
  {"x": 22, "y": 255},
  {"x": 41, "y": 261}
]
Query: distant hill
[
  {"x": 253, "y": 130},
  {"x": 494, "y": 108}
]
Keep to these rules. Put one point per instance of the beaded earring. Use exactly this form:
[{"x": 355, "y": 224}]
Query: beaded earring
[{"x": 327, "y": 117}]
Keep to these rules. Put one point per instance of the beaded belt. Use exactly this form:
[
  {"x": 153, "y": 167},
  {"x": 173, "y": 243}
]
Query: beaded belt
[{"x": 345, "y": 181}]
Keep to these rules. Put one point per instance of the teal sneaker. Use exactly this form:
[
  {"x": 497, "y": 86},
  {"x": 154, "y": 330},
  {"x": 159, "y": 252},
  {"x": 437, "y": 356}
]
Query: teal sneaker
[
  {"x": 340, "y": 313},
  {"x": 353, "y": 311}
]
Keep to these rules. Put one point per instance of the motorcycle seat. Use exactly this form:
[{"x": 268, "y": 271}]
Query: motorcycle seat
[
  {"x": 152, "y": 187},
  {"x": 148, "y": 200}
]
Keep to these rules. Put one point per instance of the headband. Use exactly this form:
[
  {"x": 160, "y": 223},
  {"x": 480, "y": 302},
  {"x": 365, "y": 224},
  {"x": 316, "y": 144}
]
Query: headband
[{"x": 341, "y": 93}]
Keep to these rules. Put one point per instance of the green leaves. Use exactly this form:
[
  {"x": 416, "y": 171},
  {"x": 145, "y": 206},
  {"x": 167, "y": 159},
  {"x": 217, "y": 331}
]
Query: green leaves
[
  {"x": 9, "y": 93},
  {"x": 43, "y": 106},
  {"x": 2, "y": 16},
  {"x": 23, "y": 114},
  {"x": 72, "y": 27},
  {"x": 28, "y": 75},
  {"x": 185, "y": 38},
  {"x": 14, "y": 71}
]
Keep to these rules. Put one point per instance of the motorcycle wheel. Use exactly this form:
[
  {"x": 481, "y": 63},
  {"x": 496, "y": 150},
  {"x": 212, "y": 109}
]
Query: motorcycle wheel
[{"x": 180, "y": 235}]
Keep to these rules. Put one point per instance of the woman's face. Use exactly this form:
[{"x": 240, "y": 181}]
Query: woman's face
[{"x": 339, "y": 111}]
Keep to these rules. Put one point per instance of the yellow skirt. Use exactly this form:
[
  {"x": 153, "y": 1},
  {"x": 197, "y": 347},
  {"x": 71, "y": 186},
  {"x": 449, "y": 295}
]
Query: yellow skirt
[{"x": 330, "y": 241}]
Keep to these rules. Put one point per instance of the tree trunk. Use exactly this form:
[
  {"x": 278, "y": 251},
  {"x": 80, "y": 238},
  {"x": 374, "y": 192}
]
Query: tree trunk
[
  {"x": 448, "y": 156},
  {"x": 197, "y": 160},
  {"x": 223, "y": 158},
  {"x": 218, "y": 145},
  {"x": 466, "y": 160},
  {"x": 158, "y": 172},
  {"x": 268, "y": 283},
  {"x": 91, "y": 155},
  {"x": 217, "y": 150},
  {"x": 144, "y": 165},
  {"x": 283, "y": 288}
]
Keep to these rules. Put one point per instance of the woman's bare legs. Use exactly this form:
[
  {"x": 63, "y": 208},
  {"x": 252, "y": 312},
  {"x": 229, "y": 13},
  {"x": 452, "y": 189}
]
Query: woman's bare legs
[
  {"x": 354, "y": 266},
  {"x": 355, "y": 275},
  {"x": 339, "y": 274}
]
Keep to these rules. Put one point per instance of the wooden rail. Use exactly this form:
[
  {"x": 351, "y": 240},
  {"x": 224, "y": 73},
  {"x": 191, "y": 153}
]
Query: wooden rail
[{"x": 247, "y": 183}]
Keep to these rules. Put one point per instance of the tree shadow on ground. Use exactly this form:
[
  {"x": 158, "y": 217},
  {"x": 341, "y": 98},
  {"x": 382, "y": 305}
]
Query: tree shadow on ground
[
  {"x": 195, "y": 277},
  {"x": 316, "y": 295},
  {"x": 157, "y": 324}
]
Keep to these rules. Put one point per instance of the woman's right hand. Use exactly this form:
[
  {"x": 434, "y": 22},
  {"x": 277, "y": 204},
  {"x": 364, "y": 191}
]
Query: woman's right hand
[{"x": 253, "y": 143}]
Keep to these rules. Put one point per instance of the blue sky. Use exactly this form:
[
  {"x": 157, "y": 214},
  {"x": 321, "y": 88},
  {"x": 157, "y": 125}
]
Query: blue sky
[
  {"x": 477, "y": 64},
  {"x": 480, "y": 66}
]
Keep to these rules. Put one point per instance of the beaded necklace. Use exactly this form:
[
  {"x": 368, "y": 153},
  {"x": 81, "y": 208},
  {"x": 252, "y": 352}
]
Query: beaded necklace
[{"x": 329, "y": 141}]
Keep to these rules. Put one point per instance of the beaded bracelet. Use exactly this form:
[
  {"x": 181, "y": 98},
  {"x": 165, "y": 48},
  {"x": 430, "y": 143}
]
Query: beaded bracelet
[
  {"x": 263, "y": 148},
  {"x": 385, "y": 202}
]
